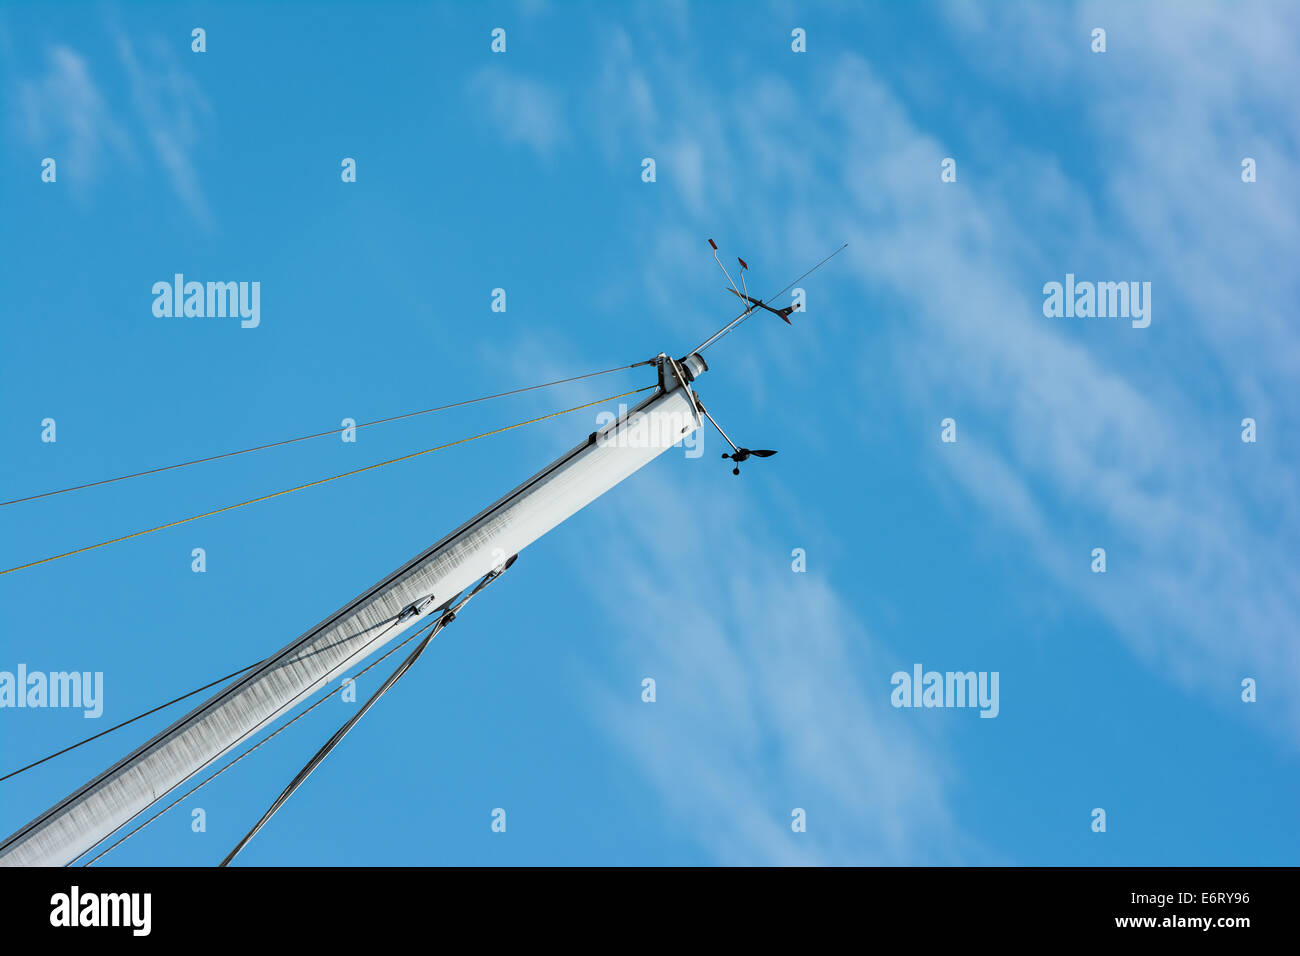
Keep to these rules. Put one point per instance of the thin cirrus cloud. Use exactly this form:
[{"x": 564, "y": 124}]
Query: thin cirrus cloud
[
  {"x": 523, "y": 110},
  {"x": 63, "y": 113},
  {"x": 769, "y": 699},
  {"x": 70, "y": 112},
  {"x": 171, "y": 107},
  {"x": 1184, "y": 94},
  {"x": 1104, "y": 430},
  {"x": 1145, "y": 458},
  {"x": 765, "y": 701}
]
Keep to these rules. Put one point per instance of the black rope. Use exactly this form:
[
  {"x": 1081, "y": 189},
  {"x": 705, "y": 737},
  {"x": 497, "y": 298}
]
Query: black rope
[
  {"x": 300, "y": 778},
  {"x": 175, "y": 700},
  {"x": 283, "y": 727}
]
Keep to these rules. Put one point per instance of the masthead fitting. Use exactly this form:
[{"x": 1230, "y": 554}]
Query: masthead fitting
[{"x": 693, "y": 366}]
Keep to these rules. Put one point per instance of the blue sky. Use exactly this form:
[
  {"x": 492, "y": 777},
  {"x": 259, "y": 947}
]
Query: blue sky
[{"x": 522, "y": 170}]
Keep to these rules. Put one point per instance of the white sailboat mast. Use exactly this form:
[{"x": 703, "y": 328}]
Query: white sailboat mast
[{"x": 380, "y": 615}]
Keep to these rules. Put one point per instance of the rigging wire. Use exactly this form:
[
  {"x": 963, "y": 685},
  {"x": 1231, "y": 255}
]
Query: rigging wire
[
  {"x": 333, "y": 431},
  {"x": 297, "y": 717},
  {"x": 438, "y": 625},
  {"x": 311, "y": 688},
  {"x": 320, "y": 481},
  {"x": 441, "y": 622},
  {"x": 301, "y": 777},
  {"x": 174, "y": 700},
  {"x": 398, "y": 673}
]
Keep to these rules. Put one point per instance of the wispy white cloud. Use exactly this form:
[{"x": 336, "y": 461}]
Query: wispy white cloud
[
  {"x": 170, "y": 105},
  {"x": 1125, "y": 453},
  {"x": 72, "y": 114},
  {"x": 1111, "y": 437},
  {"x": 771, "y": 694},
  {"x": 1184, "y": 93},
  {"x": 522, "y": 109},
  {"x": 64, "y": 114},
  {"x": 636, "y": 83}
]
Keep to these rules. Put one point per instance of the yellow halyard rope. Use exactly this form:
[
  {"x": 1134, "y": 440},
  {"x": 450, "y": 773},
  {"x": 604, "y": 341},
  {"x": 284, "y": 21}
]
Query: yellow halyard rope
[{"x": 320, "y": 481}]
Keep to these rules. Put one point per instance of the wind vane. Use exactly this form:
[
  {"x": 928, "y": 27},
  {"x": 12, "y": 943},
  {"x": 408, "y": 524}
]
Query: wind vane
[
  {"x": 738, "y": 454},
  {"x": 783, "y": 313}
]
